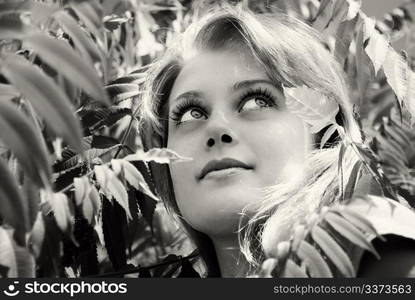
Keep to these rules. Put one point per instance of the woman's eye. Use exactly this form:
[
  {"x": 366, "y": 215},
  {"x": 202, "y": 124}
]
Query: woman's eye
[
  {"x": 255, "y": 103},
  {"x": 192, "y": 114}
]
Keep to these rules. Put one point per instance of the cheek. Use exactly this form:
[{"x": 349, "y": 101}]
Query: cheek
[{"x": 280, "y": 145}]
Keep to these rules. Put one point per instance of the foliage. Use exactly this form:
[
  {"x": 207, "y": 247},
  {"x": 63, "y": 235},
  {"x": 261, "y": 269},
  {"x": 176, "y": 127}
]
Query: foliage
[{"x": 75, "y": 191}]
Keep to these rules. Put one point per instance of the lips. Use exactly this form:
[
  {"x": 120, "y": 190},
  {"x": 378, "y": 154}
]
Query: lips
[{"x": 217, "y": 165}]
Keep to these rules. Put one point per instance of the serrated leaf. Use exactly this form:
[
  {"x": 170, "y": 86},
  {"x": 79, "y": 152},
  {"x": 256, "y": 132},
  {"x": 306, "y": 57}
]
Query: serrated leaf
[
  {"x": 410, "y": 95},
  {"x": 396, "y": 71},
  {"x": 113, "y": 221},
  {"x": 158, "y": 155},
  {"x": 89, "y": 14},
  {"x": 59, "y": 55},
  {"x": 312, "y": 107},
  {"x": 13, "y": 207},
  {"x": 344, "y": 37},
  {"x": 113, "y": 22},
  {"x": 314, "y": 261},
  {"x": 122, "y": 91},
  {"x": 364, "y": 71},
  {"x": 19, "y": 134},
  {"x": 37, "y": 235},
  {"x": 8, "y": 90},
  {"x": 48, "y": 99},
  {"x": 136, "y": 78},
  {"x": 133, "y": 176},
  {"x": 353, "y": 9},
  {"x": 292, "y": 270},
  {"x": 82, "y": 189},
  {"x": 96, "y": 118},
  {"x": 147, "y": 207},
  {"x": 81, "y": 40},
  {"x": 323, "y": 15},
  {"x": 333, "y": 251},
  {"x": 7, "y": 255},
  {"x": 95, "y": 201},
  {"x": 377, "y": 47},
  {"x": 12, "y": 28},
  {"x": 87, "y": 156},
  {"x": 350, "y": 232},
  {"x": 38, "y": 11},
  {"x": 112, "y": 187},
  {"x": 26, "y": 265},
  {"x": 60, "y": 207}
]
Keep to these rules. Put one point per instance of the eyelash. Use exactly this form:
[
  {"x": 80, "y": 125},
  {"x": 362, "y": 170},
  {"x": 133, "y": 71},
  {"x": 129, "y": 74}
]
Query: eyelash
[{"x": 190, "y": 103}]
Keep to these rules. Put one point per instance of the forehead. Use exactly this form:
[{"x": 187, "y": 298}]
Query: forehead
[{"x": 217, "y": 69}]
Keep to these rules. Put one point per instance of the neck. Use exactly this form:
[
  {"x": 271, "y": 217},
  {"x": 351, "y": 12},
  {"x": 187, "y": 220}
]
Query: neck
[{"x": 231, "y": 261}]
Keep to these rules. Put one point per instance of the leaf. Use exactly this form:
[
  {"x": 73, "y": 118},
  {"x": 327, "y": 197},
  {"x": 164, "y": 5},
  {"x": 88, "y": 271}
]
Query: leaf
[
  {"x": 327, "y": 134},
  {"x": 60, "y": 56},
  {"x": 158, "y": 155},
  {"x": 377, "y": 47},
  {"x": 396, "y": 71},
  {"x": 12, "y": 28},
  {"x": 147, "y": 207},
  {"x": 96, "y": 118},
  {"x": 333, "y": 251},
  {"x": 82, "y": 189},
  {"x": 292, "y": 270},
  {"x": 136, "y": 78},
  {"x": 314, "y": 261},
  {"x": 112, "y": 187},
  {"x": 133, "y": 177},
  {"x": 344, "y": 36},
  {"x": 113, "y": 220},
  {"x": 26, "y": 265},
  {"x": 37, "y": 235},
  {"x": 38, "y": 11},
  {"x": 89, "y": 12},
  {"x": 352, "y": 180},
  {"x": 113, "y": 22},
  {"x": 60, "y": 207},
  {"x": 7, "y": 255},
  {"x": 19, "y": 134},
  {"x": 92, "y": 207},
  {"x": 89, "y": 156},
  {"x": 49, "y": 100},
  {"x": 323, "y": 15},
  {"x": 81, "y": 40},
  {"x": 122, "y": 91},
  {"x": 187, "y": 270},
  {"x": 312, "y": 107},
  {"x": 8, "y": 90},
  {"x": 13, "y": 207},
  {"x": 364, "y": 69},
  {"x": 350, "y": 232},
  {"x": 353, "y": 9},
  {"x": 410, "y": 95}
]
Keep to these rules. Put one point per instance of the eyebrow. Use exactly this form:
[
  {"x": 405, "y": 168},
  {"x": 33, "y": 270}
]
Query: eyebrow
[{"x": 237, "y": 86}]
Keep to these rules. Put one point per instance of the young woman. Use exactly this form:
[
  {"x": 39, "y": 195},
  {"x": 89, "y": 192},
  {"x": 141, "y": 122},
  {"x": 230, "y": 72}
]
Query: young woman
[{"x": 219, "y": 96}]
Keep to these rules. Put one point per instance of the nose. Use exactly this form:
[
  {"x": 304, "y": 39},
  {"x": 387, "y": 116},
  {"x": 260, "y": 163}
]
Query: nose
[{"x": 220, "y": 133}]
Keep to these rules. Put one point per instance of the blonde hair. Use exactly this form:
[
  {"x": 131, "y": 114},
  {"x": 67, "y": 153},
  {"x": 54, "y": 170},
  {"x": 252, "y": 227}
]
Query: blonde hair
[{"x": 292, "y": 54}]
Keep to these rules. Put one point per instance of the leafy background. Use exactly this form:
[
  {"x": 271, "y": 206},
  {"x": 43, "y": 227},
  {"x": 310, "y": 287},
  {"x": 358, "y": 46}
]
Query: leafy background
[{"x": 75, "y": 192}]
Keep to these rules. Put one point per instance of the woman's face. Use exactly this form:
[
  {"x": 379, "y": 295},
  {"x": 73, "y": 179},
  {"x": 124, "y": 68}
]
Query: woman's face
[{"x": 231, "y": 119}]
